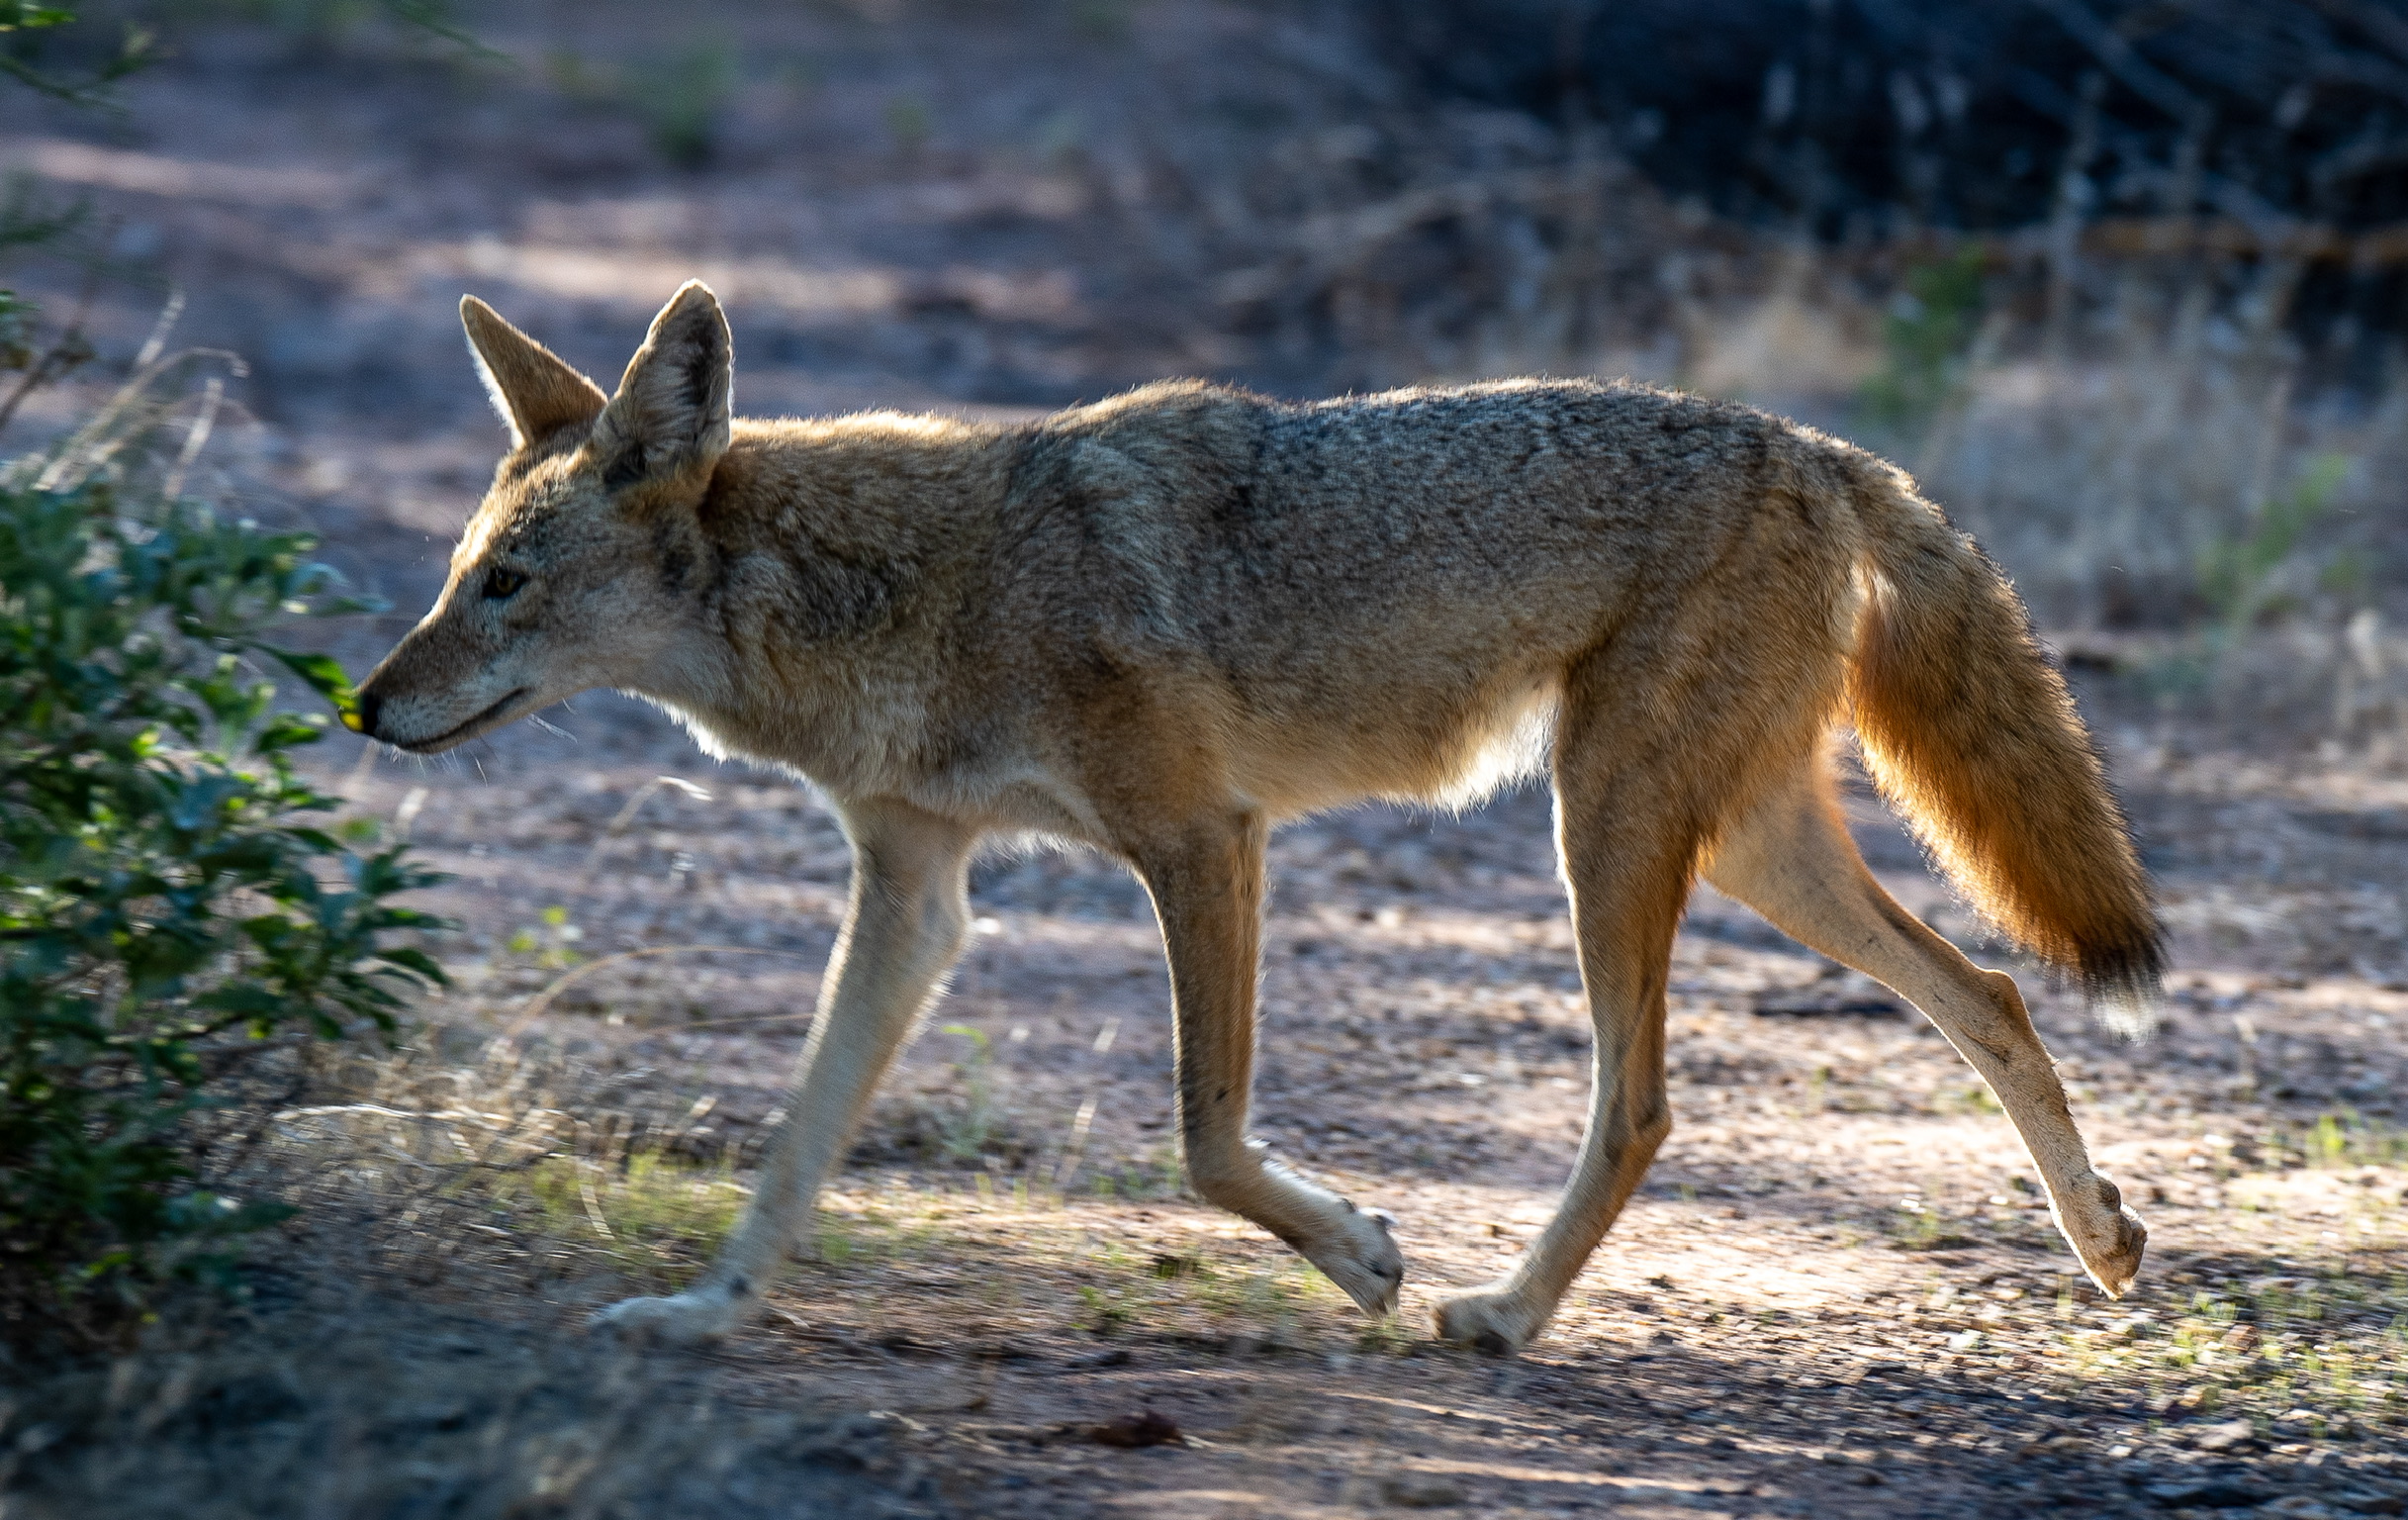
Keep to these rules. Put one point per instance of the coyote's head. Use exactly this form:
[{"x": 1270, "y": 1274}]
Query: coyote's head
[{"x": 579, "y": 570}]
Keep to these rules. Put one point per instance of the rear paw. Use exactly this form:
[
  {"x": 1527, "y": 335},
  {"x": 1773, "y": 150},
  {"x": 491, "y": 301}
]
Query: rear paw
[
  {"x": 686, "y": 1319},
  {"x": 1498, "y": 1322},
  {"x": 1361, "y": 1257},
  {"x": 2110, "y": 1238}
]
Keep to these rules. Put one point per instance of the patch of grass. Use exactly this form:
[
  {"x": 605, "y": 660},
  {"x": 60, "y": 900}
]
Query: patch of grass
[
  {"x": 911, "y": 122},
  {"x": 681, "y": 101},
  {"x": 2314, "y": 1356},
  {"x": 1103, "y": 1313},
  {"x": 678, "y": 98},
  {"x": 909, "y": 1226},
  {"x": 1927, "y": 336},
  {"x": 1973, "y": 1098},
  {"x": 1385, "y": 1336},
  {"x": 653, "y": 1215},
  {"x": 1917, "y": 1225},
  {"x": 1158, "y": 1176},
  {"x": 966, "y": 1131},
  {"x": 2254, "y": 570}
]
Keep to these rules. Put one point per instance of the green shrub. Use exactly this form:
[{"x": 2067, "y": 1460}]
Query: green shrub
[
  {"x": 168, "y": 907},
  {"x": 1926, "y": 337}
]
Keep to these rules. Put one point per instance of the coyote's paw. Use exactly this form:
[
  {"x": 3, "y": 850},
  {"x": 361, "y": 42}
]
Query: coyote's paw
[
  {"x": 687, "y": 1319},
  {"x": 2109, "y": 1237},
  {"x": 1496, "y": 1320},
  {"x": 1360, "y": 1255}
]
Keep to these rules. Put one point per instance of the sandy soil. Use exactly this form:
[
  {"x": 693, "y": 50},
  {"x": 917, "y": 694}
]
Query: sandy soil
[{"x": 1838, "y": 1293}]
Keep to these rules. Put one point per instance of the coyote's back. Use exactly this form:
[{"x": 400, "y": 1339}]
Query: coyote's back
[{"x": 1382, "y": 594}]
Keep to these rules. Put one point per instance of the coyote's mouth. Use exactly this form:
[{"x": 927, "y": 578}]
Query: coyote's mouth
[{"x": 458, "y": 733}]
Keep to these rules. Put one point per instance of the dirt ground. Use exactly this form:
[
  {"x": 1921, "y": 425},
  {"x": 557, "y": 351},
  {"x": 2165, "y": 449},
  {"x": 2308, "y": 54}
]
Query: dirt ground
[{"x": 1838, "y": 1292}]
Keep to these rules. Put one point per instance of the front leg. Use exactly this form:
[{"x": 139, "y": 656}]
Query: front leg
[
  {"x": 1206, "y": 879},
  {"x": 902, "y": 931}
]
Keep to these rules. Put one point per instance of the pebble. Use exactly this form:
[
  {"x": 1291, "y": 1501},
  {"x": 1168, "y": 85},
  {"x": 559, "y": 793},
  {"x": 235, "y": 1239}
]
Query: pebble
[{"x": 1414, "y": 1490}]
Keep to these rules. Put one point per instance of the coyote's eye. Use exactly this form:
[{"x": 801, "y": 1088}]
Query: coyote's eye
[{"x": 503, "y": 583}]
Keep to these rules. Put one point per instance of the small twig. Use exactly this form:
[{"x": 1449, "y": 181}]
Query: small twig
[
  {"x": 160, "y": 328},
  {"x": 593, "y": 1211},
  {"x": 85, "y": 451},
  {"x": 1077, "y": 1148},
  {"x": 62, "y": 357},
  {"x": 196, "y": 439},
  {"x": 379, "y": 1110}
]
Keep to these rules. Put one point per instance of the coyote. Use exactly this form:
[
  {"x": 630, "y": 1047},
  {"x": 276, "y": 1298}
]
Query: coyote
[{"x": 1159, "y": 624}]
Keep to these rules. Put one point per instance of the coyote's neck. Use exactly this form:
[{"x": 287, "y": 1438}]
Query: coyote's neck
[{"x": 845, "y": 548}]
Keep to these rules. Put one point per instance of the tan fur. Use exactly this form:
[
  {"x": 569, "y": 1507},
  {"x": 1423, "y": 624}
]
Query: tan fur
[
  {"x": 1972, "y": 734},
  {"x": 1161, "y": 624}
]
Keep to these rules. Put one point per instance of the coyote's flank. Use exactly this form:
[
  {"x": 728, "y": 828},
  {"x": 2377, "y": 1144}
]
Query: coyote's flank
[{"x": 1161, "y": 624}]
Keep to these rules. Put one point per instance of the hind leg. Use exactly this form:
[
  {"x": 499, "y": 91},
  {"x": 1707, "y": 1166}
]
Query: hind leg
[
  {"x": 1627, "y": 855},
  {"x": 1792, "y": 860}
]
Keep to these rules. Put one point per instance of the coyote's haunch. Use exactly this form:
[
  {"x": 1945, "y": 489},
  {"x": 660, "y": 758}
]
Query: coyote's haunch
[{"x": 1162, "y": 624}]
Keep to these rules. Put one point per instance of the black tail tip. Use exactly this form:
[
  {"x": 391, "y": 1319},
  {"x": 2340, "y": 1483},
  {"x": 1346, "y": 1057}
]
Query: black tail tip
[{"x": 2124, "y": 983}]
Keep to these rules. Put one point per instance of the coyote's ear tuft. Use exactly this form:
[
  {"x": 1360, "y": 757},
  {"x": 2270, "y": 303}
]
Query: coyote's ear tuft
[
  {"x": 671, "y": 411},
  {"x": 536, "y": 392}
]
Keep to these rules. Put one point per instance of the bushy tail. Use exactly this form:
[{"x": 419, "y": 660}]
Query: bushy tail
[{"x": 1972, "y": 734}]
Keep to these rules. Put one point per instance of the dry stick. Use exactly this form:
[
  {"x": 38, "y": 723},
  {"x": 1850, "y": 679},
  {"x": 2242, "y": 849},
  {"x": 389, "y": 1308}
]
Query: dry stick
[
  {"x": 1075, "y": 1149},
  {"x": 746, "y": 1021},
  {"x": 196, "y": 440},
  {"x": 161, "y": 328},
  {"x": 90, "y": 446},
  {"x": 2064, "y": 243},
  {"x": 60, "y": 356}
]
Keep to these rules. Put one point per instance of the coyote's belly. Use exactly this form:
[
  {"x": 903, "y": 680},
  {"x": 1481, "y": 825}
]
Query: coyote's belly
[{"x": 1450, "y": 747}]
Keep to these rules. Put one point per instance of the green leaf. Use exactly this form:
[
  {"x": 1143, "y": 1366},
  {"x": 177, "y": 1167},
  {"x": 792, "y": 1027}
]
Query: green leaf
[
  {"x": 324, "y": 676},
  {"x": 27, "y": 16},
  {"x": 417, "y": 961}
]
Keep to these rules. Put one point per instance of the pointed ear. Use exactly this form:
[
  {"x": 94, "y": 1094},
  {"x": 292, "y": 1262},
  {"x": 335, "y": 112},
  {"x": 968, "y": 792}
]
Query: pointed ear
[
  {"x": 671, "y": 411},
  {"x": 536, "y": 392}
]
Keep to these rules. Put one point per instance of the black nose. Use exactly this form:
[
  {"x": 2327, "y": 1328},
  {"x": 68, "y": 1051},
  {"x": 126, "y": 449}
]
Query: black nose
[{"x": 369, "y": 703}]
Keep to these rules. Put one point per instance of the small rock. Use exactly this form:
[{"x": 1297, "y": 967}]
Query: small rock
[
  {"x": 2362, "y": 1501},
  {"x": 2224, "y": 1437},
  {"x": 1414, "y": 1490},
  {"x": 2205, "y": 1494},
  {"x": 1145, "y": 1428}
]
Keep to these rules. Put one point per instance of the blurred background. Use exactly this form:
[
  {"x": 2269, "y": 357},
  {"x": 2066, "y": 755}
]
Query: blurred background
[{"x": 2122, "y": 281}]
